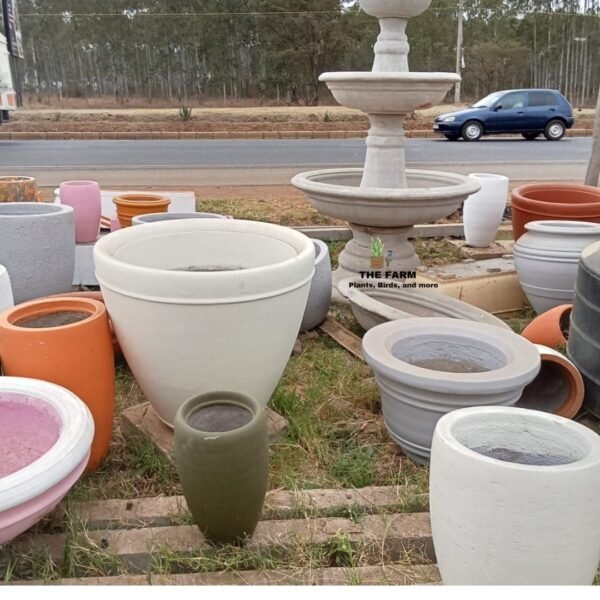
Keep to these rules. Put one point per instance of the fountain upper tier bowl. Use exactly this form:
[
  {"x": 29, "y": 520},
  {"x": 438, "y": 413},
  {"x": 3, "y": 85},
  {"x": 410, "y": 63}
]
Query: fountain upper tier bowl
[
  {"x": 430, "y": 195},
  {"x": 388, "y": 93}
]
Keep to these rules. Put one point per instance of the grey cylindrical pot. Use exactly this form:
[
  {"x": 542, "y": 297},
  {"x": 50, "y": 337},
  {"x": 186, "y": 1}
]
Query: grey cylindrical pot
[
  {"x": 319, "y": 299},
  {"x": 173, "y": 216},
  {"x": 224, "y": 475},
  {"x": 37, "y": 247}
]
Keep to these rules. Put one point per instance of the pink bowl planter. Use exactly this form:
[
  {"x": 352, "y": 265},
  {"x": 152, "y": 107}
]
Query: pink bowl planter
[
  {"x": 45, "y": 438},
  {"x": 84, "y": 197}
]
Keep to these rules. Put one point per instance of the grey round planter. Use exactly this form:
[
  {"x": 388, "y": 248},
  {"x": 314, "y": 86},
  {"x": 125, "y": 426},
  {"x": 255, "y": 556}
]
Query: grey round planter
[
  {"x": 173, "y": 216},
  {"x": 387, "y": 301},
  {"x": 319, "y": 299},
  {"x": 428, "y": 367},
  {"x": 37, "y": 247}
]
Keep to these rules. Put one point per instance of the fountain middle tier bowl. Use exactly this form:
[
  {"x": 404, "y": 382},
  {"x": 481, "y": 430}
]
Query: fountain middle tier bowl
[
  {"x": 202, "y": 305},
  {"x": 383, "y": 93},
  {"x": 430, "y": 195}
]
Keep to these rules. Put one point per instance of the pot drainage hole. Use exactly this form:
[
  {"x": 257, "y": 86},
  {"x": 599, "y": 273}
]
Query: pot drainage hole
[
  {"x": 219, "y": 418},
  {"x": 55, "y": 319}
]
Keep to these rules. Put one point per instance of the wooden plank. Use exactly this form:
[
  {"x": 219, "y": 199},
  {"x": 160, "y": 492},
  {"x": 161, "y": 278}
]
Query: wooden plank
[
  {"x": 496, "y": 249},
  {"x": 342, "y": 336},
  {"x": 391, "y": 574},
  {"x": 279, "y": 504}
]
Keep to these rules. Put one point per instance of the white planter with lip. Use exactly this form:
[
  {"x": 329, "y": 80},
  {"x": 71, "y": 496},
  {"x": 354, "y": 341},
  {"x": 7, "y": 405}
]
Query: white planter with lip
[
  {"x": 483, "y": 210},
  {"x": 204, "y": 305},
  {"x": 427, "y": 367},
  {"x": 498, "y": 516},
  {"x": 6, "y": 295},
  {"x": 547, "y": 258}
]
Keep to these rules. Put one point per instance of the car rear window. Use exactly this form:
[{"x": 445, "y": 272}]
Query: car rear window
[{"x": 542, "y": 99}]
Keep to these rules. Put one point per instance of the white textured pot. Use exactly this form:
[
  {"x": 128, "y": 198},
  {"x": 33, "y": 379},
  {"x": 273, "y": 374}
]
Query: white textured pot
[
  {"x": 204, "y": 305},
  {"x": 483, "y": 210},
  {"x": 427, "y": 367},
  {"x": 547, "y": 258},
  {"x": 37, "y": 247},
  {"x": 319, "y": 299},
  {"x": 6, "y": 295},
  {"x": 528, "y": 517}
]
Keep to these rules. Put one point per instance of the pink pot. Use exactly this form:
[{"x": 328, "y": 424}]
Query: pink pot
[{"x": 84, "y": 197}]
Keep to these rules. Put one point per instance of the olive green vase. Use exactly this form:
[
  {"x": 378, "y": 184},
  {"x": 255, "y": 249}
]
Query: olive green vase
[{"x": 222, "y": 456}]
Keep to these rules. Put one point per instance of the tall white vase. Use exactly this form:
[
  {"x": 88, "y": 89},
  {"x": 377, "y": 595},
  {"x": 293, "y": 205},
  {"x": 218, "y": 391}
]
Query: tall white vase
[
  {"x": 514, "y": 498},
  {"x": 6, "y": 295},
  {"x": 483, "y": 211}
]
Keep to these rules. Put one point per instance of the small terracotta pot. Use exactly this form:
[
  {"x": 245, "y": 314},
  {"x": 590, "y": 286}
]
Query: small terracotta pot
[
  {"x": 77, "y": 356},
  {"x": 558, "y": 387},
  {"x": 99, "y": 298},
  {"x": 553, "y": 201},
  {"x": 18, "y": 189},
  {"x": 377, "y": 262},
  {"x": 132, "y": 205},
  {"x": 550, "y": 328}
]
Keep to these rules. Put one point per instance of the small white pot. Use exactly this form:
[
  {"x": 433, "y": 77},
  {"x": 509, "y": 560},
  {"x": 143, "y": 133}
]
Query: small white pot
[
  {"x": 547, "y": 257},
  {"x": 230, "y": 327},
  {"x": 6, "y": 295},
  {"x": 511, "y": 521},
  {"x": 319, "y": 299},
  {"x": 483, "y": 211}
]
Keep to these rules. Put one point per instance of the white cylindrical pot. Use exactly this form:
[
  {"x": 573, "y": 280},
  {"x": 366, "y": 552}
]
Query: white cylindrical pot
[
  {"x": 514, "y": 498},
  {"x": 427, "y": 367},
  {"x": 204, "y": 305},
  {"x": 37, "y": 247},
  {"x": 319, "y": 299},
  {"x": 6, "y": 295},
  {"x": 483, "y": 211},
  {"x": 547, "y": 258}
]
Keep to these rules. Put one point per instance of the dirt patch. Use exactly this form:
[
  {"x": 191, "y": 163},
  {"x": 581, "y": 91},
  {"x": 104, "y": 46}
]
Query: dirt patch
[{"x": 55, "y": 319}]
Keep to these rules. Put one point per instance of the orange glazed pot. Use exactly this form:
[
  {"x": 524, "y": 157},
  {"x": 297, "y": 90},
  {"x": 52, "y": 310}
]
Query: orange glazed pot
[
  {"x": 553, "y": 202},
  {"x": 44, "y": 340},
  {"x": 133, "y": 205},
  {"x": 550, "y": 328}
]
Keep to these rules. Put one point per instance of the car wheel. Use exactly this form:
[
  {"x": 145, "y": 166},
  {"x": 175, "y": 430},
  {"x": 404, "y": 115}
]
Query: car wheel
[
  {"x": 471, "y": 131},
  {"x": 530, "y": 136},
  {"x": 450, "y": 137},
  {"x": 554, "y": 130}
]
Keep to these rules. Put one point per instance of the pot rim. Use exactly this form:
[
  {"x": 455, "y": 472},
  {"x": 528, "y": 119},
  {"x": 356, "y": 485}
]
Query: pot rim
[
  {"x": 591, "y": 208},
  {"x": 79, "y": 183},
  {"x": 71, "y": 447},
  {"x": 323, "y": 251},
  {"x": 140, "y": 219},
  {"x": 16, "y": 179},
  {"x": 522, "y": 359},
  {"x": 445, "y": 426},
  {"x": 42, "y": 210},
  {"x": 220, "y": 397},
  {"x": 492, "y": 176},
  {"x": 8, "y": 319},
  {"x": 137, "y": 199},
  {"x": 563, "y": 226}
]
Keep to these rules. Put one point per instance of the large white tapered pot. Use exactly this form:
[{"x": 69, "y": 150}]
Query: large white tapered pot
[
  {"x": 204, "y": 305},
  {"x": 514, "y": 498},
  {"x": 483, "y": 210}
]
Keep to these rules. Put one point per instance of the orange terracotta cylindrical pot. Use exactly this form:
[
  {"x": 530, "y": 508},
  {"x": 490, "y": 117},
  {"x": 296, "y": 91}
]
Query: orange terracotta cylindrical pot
[
  {"x": 553, "y": 202},
  {"x": 550, "y": 328},
  {"x": 100, "y": 298},
  {"x": 76, "y": 355},
  {"x": 132, "y": 205}
]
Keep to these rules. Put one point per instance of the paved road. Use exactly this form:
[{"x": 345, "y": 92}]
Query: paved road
[{"x": 249, "y": 161}]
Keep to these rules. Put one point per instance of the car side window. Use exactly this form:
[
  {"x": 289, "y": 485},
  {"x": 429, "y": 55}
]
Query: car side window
[
  {"x": 541, "y": 99},
  {"x": 513, "y": 101}
]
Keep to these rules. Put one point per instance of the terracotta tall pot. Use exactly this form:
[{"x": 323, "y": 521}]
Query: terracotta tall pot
[
  {"x": 550, "y": 328},
  {"x": 133, "y": 205},
  {"x": 43, "y": 340},
  {"x": 553, "y": 201},
  {"x": 85, "y": 198},
  {"x": 15, "y": 188},
  {"x": 222, "y": 455}
]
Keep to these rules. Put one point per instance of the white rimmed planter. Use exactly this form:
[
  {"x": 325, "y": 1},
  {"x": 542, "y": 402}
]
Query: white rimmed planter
[
  {"x": 511, "y": 522},
  {"x": 185, "y": 332},
  {"x": 172, "y": 216},
  {"x": 30, "y": 492},
  {"x": 547, "y": 257},
  {"x": 37, "y": 247},
  {"x": 483, "y": 210},
  {"x": 386, "y": 300},
  {"x": 427, "y": 367},
  {"x": 319, "y": 299},
  {"x": 6, "y": 295}
]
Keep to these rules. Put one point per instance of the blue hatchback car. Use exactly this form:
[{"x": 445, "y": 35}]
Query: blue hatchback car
[{"x": 528, "y": 112}]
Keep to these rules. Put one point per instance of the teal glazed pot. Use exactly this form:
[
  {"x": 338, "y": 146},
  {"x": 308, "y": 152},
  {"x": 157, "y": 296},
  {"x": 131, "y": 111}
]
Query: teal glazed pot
[{"x": 222, "y": 457}]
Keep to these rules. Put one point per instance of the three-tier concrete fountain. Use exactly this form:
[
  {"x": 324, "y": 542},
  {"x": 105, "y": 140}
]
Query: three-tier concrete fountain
[{"x": 385, "y": 200}]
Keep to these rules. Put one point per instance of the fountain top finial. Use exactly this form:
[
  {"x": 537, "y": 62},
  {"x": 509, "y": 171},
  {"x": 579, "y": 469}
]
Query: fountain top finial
[{"x": 394, "y": 9}]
